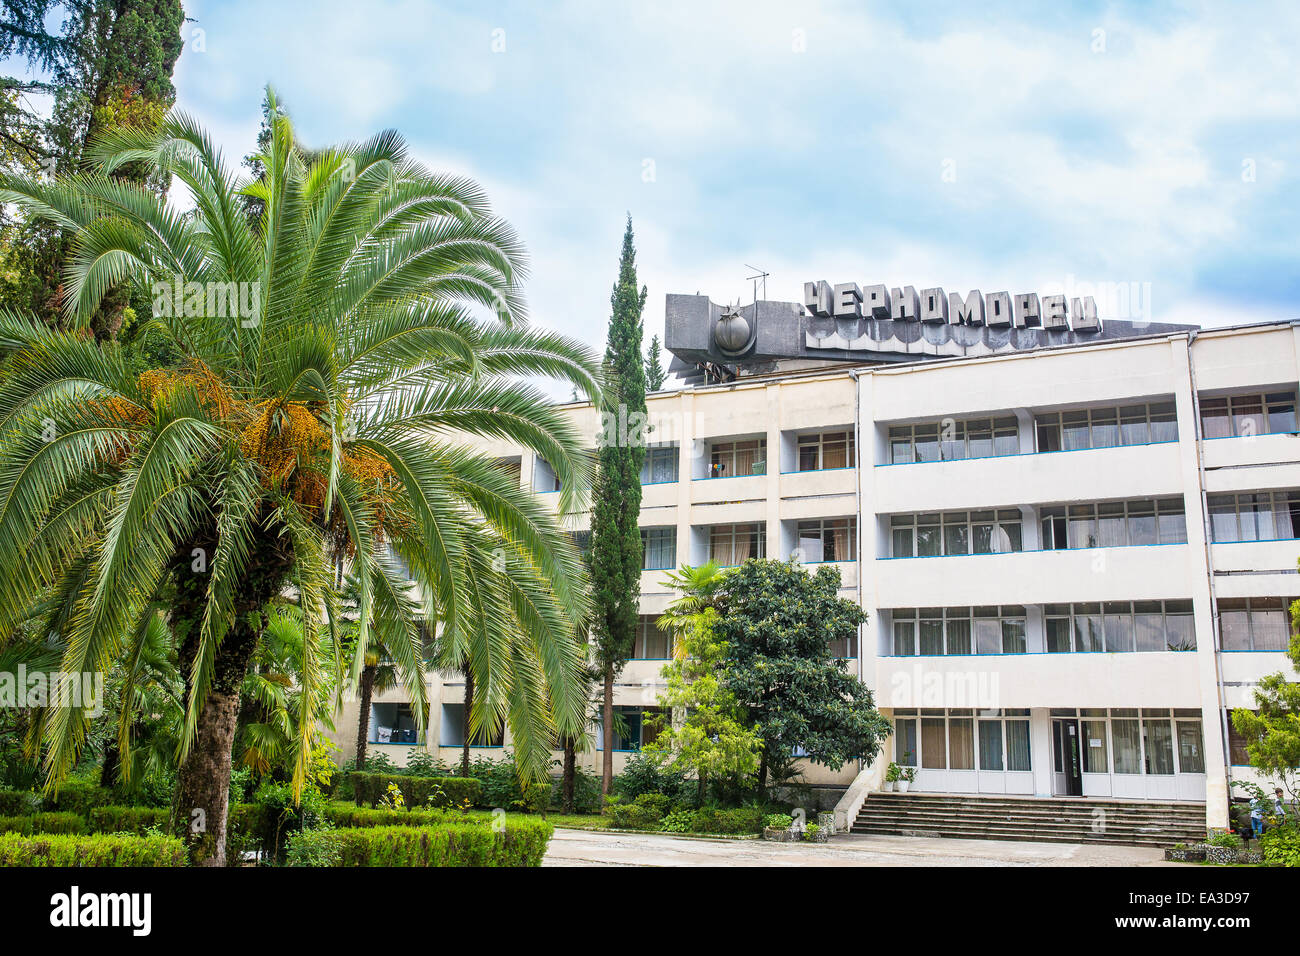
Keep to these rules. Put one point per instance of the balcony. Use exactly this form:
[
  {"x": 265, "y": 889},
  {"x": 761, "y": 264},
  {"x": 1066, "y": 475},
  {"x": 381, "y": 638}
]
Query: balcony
[
  {"x": 1269, "y": 568},
  {"x": 804, "y": 494},
  {"x": 1093, "y": 474},
  {"x": 1039, "y": 680},
  {"x": 1150, "y": 572},
  {"x": 1273, "y": 460}
]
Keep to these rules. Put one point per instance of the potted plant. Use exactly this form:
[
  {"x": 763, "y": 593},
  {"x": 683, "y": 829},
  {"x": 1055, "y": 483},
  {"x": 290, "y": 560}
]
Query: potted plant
[
  {"x": 892, "y": 774},
  {"x": 905, "y": 777}
]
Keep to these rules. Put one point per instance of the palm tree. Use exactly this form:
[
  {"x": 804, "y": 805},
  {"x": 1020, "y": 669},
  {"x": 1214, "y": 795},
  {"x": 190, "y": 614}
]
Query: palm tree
[
  {"x": 699, "y": 588},
  {"x": 323, "y": 420}
]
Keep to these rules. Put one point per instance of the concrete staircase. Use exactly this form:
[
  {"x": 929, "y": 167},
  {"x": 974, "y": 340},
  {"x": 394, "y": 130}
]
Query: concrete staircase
[{"x": 1050, "y": 820}]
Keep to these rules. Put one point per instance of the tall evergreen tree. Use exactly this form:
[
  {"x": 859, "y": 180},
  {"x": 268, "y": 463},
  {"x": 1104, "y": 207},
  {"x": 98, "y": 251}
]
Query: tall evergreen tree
[
  {"x": 616, "y": 498},
  {"x": 654, "y": 369}
]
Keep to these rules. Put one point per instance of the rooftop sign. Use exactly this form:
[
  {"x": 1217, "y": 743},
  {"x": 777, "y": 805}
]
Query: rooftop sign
[{"x": 846, "y": 301}]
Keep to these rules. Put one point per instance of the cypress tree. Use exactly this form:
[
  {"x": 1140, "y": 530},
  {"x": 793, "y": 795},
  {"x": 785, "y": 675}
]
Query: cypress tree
[
  {"x": 654, "y": 370},
  {"x": 616, "y": 498}
]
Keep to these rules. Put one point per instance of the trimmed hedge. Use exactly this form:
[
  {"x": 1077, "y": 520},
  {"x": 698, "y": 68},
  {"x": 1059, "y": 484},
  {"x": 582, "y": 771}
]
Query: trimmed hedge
[
  {"x": 44, "y": 823},
  {"x": 366, "y": 817},
  {"x": 127, "y": 819},
  {"x": 647, "y": 812},
  {"x": 521, "y": 843},
  {"x": 77, "y": 797},
  {"x": 99, "y": 850},
  {"x": 370, "y": 788}
]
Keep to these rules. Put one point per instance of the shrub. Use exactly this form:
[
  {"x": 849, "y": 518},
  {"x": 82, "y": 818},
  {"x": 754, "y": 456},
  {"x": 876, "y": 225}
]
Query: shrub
[
  {"x": 646, "y": 774},
  {"x": 98, "y": 850},
  {"x": 127, "y": 819},
  {"x": 520, "y": 843},
  {"x": 780, "y": 820},
  {"x": 313, "y": 848},
  {"x": 421, "y": 763},
  {"x": 370, "y": 788},
  {"x": 19, "y": 803},
  {"x": 736, "y": 820},
  {"x": 44, "y": 823},
  {"x": 678, "y": 821},
  {"x": 78, "y": 797},
  {"x": 365, "y": 817},
  {"x": 646, "y": 812},
  {"x": 1281, "y": 845},
  {"x": 1226, "y": 839},
  {"x": 586, "y": 792}
]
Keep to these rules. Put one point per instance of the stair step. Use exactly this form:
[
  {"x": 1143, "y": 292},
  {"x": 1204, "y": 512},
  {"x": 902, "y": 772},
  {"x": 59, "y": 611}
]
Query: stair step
[{"x": 1063, "y": 820}]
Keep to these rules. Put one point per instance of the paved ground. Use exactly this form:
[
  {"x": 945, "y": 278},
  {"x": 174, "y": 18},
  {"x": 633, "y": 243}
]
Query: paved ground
[{"x": 586, "y": 848}]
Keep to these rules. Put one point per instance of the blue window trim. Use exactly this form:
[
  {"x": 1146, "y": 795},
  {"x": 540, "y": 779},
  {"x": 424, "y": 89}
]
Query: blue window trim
[
  {"x": 1249, "y": 650},
  {"x": 758, "y": 474},
  {"x": 666, "y": 481},
  {"x": 1059, "y": 451},
  {"x": 904, "y": 657},
  {"x": 1256, "y": 435},
  {"x": 666, "y": 567},
  {"x": 813, "y": 471},
  {"x": 845, "y": 561},
  {"x": 1257, "y": 540},
  {"x": 649, "y": 658},
  {"x": 393, "y": 743},
  {"x": 1003, "y": 554}
]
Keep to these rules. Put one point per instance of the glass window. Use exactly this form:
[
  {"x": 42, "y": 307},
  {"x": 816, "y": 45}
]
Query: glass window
[
  {"x": 1105, "y": 428},
  {"x": 904, "y": 638},
  {"x": 956, "y": 535},
  {"x": 1164, "y": 422},
  {"x": 1158, "y": 743},
  {"x": 961, "y": 743},
  {"x": 1075, "y": 433},
  {"x": 733, "y": 459},
  {"x": 905, "y": 741},
  {"x": 734, "y": 544},
  {"x": 991, "y": 745},
  {"x": 902, "y": 541},
  {"x": 1142, "y": 523},
  {"x": 651, "y": 643},
  {"x": 1125, "y": 746},
  {"x": 934, "y": 744},
  {"x": 1133, "y": 425},
  {"x": 1215, "y": 422},
  {"x": 1047, "y": 431},
  {"x": 931, "y": 634},
  {"x": 1013, "y": 636},
  {"x": 957, "y": 631},
  {"x": 1119, "y": 628},
  {"x": 1058, "y": 635},
  {"x": 658, "y": 549},
  {"x": 1191, "y": 758},
  {"x": 1280, "y": 407},
  {"x": 660, "y": 465},
  {"x": 1094, "y": 747}
]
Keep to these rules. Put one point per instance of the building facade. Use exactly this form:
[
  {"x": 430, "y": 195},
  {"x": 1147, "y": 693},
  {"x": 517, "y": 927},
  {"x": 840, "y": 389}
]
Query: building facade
[{"x": 1076, "y": 559}]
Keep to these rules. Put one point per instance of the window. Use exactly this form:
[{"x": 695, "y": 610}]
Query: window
[
  {"x": 1238, "y": 755},
  {"x": 1237, "y": 416},
  {"x": 988, "y": 740},
  {"x": 827, "y": 450},
  {"x": 958, "y": 631},
  {"x": 582, "y": 541},
  {"x": 394, "y": 724},
  {"x": 658, "y": 549},
  {"x": 1254, "y": 624},
  {"x": 452, "y": 733},
  {"x": 734, "y": 459},
  {"x": 651, "y": 643},
  {"x": 1106, "y": 427},
  {"x": 660, "y": 466},
  {"x": 974, "y": 532},
  {"x": 1119, "y": 627},
  {"x": 545, "y": 478},
  {"x": 1191, "y": 755},
  {"x": 632, "y": 728},
  {"x": 828, "y": 539},
  {"x": 734, "y": 544},
  {"x": 1114, "y": 524},
  {"x": 1256, "y": 516},
  {"x": 511, "y": 467},
  {"x": 952, "y": 440}
]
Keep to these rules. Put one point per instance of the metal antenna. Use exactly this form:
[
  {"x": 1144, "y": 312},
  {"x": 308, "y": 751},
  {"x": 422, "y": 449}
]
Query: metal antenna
[{"x": 759, "y": 276}]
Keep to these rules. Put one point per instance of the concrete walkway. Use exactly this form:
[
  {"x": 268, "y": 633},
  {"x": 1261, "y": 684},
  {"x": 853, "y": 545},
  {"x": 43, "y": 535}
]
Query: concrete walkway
[{"x": 585, "y": 848}]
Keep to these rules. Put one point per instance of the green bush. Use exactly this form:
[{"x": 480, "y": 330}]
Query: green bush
[
  {"x": 44, "y": 823},
  {"x": 366, "y": 817},
  {"x": 1226, "y": 839},
  {"x": 782, "y": 821},
  {"x": 418, "y": 792},
  {"x": 586, "y": 792},
  {"x": 99, "y": 850},
  {"x": 520, "y": 843},
  {"x": 1281, "y": 845},
  {"x": 78, "y": 797},
  {"x": 735, "y": 820},
  {"x": 646, "y": 774},
  {"x": 19, "y": 803},
  {"x": 646, "y": 812},
  {"x": 127, "y": 819},
  {"x": 677, "y": 821}
]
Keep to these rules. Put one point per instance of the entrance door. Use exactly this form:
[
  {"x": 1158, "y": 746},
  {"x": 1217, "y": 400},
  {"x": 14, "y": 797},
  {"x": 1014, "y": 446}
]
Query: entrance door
[{"x": 1066, "y": 758}]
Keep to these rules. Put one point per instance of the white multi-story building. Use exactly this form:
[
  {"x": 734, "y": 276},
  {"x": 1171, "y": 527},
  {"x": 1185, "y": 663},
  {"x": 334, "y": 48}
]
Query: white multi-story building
[{"x": 1077, "y": 554}]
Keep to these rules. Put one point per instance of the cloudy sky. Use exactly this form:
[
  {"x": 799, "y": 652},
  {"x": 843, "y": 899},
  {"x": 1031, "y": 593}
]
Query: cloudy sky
[{"x": 1093, "y": 143}]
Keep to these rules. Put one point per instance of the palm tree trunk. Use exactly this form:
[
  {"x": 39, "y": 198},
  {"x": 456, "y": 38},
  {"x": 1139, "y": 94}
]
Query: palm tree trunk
[
  {"x": 200, "y": 807},
  {"x": 469, "y": 708},
  {"x": 363, "y": 718},
  {"x": 570, "y": 773},
  {"x": 607, "y": 724},
  {"x": 203, "y": 783}
]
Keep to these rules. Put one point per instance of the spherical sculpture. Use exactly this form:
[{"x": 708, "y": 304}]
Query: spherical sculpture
[{"x": 732, "y": 332}]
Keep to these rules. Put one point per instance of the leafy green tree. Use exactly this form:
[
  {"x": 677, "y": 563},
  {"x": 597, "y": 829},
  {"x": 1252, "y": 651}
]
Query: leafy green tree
[
  {"x": 698, "y": 588},
  {"x": 712, "y": 740},
  {"x": 654, "y": 369},
  {"x": 111, "y": 66},
  {"x": 616, "y": 499},
  {"x": 779, "y": 622},
  {"x": 1272, "y": 729},
  {"x": 311, "y": 423}
]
